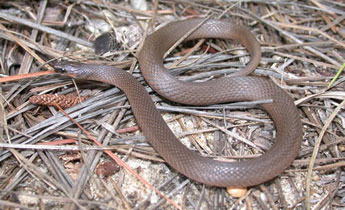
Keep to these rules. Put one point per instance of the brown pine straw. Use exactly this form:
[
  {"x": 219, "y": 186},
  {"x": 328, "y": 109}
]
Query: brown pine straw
[
  {"x": 315, "y": 152},
  {"x": 25, "y": 76},
  {"x": 120, "y": 162}
]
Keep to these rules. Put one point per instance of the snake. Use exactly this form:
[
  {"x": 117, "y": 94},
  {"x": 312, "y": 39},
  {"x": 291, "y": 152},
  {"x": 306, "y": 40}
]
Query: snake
[{"x": 236, "y": 87}]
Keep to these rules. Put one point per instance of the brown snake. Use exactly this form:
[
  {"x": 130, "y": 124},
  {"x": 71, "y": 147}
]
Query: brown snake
[{"x": 227, "y": 89}]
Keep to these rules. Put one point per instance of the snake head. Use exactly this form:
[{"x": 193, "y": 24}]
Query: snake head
[{"x": 66, "y": 67}]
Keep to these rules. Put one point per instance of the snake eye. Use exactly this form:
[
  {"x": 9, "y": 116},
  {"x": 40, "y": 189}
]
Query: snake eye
[
  {"x": 64, "y": 67},
  {"x": 60, "y": 69}
]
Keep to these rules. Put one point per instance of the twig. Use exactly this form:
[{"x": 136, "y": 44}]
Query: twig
[{"x": 25, "y": 76}]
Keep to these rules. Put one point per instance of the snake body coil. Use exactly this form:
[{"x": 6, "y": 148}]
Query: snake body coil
[{"x": 227, "y": 89}]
